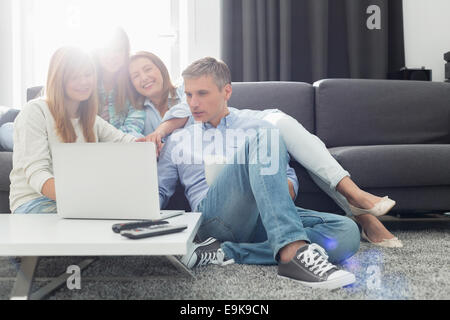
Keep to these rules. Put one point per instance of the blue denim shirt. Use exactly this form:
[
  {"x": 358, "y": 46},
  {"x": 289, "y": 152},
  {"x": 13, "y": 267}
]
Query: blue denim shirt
[
  {"x": 152, "y": 115},
  {"x": 191, "y": 173}
]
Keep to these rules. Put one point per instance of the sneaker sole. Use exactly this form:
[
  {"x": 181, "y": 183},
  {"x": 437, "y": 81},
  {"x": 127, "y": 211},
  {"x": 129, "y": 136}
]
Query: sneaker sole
[
  {"x": 330, "y": 285},
  {"x": 187, "y": 258}
]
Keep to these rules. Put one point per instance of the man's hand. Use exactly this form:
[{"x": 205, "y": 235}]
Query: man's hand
[
  {"x": 155, "y": 137},
  {"x": 291, "y": 189}
]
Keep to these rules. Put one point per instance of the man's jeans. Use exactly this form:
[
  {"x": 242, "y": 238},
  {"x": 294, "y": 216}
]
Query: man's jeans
[{"x": 254, "y": 215}]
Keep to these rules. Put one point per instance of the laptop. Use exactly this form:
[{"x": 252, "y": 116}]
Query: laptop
[{"x": 117, "y": 181}]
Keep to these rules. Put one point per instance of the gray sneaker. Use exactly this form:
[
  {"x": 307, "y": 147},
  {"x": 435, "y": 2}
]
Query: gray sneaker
[
  {"x": 310, "y": 267},
  {"x": 204, "y": 253}
]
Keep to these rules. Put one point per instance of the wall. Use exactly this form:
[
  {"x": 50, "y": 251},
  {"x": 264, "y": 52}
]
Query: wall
[{"x": 427, "y": 27}]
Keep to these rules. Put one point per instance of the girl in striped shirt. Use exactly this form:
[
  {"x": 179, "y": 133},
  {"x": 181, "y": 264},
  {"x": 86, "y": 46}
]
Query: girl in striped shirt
[{"x": 116, "y": 104}]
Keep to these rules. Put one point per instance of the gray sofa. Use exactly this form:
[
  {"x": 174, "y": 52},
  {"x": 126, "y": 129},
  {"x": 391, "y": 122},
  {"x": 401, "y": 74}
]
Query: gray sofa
[{"x": 392, "y": 136}]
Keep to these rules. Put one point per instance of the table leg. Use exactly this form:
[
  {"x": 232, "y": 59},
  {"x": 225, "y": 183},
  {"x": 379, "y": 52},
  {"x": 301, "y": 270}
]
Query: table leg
[
  {"x": 58, "y": 282},
  {"x": 24, "y": 279},
  {"x": 181, "y": 267}
]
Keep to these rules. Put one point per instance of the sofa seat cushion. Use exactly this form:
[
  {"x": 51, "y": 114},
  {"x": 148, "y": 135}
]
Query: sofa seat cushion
[
  {"x": 5, "y": 170},
  {"x": 386, "y": 166}
]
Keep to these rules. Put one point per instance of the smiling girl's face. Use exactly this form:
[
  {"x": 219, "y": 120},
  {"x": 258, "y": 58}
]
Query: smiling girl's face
[
  {"x": 80, "y": 85},
  {"x": 146, "y": 78},
  {"x": 112, "y": 58}
]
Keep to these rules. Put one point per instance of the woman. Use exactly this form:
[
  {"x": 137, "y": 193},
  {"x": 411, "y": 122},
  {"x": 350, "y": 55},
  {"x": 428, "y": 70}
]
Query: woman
[
  {"x": 152, "y": 83},
  {"x": 114, "y": 88},
  {"x": 68, "y": 114},
  {"x": 154, "y": 90}
]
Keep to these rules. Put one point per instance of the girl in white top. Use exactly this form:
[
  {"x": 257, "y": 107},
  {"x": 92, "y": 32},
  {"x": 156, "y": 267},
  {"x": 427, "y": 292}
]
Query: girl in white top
[
  {"x": 303, "y": 146},
  {"x": 68, "y": 114}
]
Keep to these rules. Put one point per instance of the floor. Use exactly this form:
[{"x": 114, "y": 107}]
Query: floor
[{"x": 420, "y": 270}]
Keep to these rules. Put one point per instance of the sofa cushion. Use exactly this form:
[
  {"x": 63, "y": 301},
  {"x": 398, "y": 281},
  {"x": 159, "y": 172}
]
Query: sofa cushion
[
  {"x": 352, "y": 112},
  {"x": 5, "y": 170},
  {"x": 293, "y": 98},
  {"x": 4, "y": 202},
  {"x": 396, "y": 166},
  {"x": 34, "y": 92},
  {"x": 8, "y": 116}
]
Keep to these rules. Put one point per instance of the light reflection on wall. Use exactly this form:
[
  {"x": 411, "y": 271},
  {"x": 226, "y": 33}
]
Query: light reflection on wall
[{"x": 49, "y": 24}]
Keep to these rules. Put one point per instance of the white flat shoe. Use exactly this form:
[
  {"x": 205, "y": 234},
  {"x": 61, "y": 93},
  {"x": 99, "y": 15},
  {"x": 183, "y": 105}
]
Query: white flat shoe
[
  {"x": 380, "y": 208},
  {"x": 387, "y": 243}
]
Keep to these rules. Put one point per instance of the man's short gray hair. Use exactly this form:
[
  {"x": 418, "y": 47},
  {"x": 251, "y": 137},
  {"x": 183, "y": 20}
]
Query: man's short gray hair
[{"x": 209, "y": 67}]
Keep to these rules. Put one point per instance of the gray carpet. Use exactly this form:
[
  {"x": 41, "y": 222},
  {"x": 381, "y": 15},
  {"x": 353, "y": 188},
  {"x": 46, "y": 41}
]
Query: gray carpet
[{"x": 420, "y": 270}]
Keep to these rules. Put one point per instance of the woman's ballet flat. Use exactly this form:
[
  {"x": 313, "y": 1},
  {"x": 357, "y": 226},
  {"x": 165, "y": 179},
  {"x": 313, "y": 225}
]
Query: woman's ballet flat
[
  {"x": 387, "y": 243},
  {"x": 380, "y": 208}
]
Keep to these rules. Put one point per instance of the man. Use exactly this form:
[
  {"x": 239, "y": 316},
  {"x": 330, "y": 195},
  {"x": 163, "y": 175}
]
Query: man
[{"x": 249, "y": 214}]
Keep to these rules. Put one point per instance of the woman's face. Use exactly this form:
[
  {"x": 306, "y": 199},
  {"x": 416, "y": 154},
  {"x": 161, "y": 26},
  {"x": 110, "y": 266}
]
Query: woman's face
[
  {"x": 80, "y": 86},
  {"x": 112, "y": 58},
  {"x": 146, "y": 78}
]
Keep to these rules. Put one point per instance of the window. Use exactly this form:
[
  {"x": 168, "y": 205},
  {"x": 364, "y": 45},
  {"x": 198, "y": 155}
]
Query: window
[{"x": 46, "y": 25}]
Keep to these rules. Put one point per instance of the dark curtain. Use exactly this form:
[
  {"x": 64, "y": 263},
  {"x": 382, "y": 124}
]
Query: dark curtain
[{"x": 308, "y": 40}]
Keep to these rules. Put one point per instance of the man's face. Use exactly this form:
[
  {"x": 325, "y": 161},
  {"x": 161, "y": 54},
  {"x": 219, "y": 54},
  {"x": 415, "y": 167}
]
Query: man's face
[{"x": 207, "y": 102}]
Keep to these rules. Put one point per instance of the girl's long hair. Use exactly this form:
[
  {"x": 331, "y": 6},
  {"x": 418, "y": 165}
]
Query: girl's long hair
[
  {"x": 123, "y": 89},
  {"x": 168, "y": 87},
  {"x": 65, "y": 63}
]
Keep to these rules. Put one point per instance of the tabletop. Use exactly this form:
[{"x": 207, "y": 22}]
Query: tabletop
[{"x": 50, "y": 235}]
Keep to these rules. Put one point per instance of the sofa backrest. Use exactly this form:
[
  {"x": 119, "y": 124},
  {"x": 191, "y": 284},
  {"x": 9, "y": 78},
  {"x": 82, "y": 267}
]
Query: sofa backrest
[
  {"x": 293, "y": 98},
  {"x": 34, "y": 92},
  {"x": 351, "y": 112}
]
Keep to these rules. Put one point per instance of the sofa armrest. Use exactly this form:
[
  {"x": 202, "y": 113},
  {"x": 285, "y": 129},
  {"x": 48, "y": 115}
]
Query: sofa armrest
[{"x": 5, "y": 170}]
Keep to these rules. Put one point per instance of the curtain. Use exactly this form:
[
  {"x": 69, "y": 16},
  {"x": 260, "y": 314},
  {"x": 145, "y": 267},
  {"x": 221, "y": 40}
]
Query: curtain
[{"x": 308, "y": 40}]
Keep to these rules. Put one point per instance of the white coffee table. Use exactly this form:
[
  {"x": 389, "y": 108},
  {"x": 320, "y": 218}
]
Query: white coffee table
[{"x": 31, "y": 236}]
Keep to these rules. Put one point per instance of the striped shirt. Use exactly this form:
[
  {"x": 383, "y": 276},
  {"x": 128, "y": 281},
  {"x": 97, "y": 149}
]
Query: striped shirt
[{"x": 131, "y": 121}]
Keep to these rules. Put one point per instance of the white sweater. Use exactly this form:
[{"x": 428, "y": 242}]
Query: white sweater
[{"x": 34, "y": 136}]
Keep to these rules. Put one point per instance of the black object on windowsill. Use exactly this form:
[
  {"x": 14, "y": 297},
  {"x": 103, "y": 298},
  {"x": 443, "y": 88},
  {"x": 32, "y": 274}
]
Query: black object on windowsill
[
  {"x": 447, "y": 56},
  {"x": 421, "y": 74}
]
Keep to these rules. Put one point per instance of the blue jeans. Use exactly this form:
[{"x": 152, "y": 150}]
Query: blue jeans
[
  {"x": 40, "y": 205},
  {"x": 254, "y": 215}
]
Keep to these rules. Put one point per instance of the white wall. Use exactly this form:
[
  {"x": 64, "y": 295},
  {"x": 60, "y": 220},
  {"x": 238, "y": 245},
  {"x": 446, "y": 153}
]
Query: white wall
[
  {"x": 427, "y": 34},
  {"x": 6, "y": 44}
]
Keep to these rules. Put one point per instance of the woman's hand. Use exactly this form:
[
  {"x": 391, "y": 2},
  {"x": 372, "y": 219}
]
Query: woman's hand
[
  {"x": 291, "y": 189},
  {"x": 48, "y": 189},
  {"x": 155, "y": 137}
]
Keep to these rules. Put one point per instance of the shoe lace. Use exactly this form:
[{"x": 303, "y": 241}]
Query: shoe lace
[
  {"x": 316, "y": 259},
  {"x": 214, "y": 257}
]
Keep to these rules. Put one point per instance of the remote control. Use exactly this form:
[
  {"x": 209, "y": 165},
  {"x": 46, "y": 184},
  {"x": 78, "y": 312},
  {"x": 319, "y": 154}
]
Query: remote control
[
  {"x": 151, "y": 231},
  {"x": 117, "y": 228}
]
